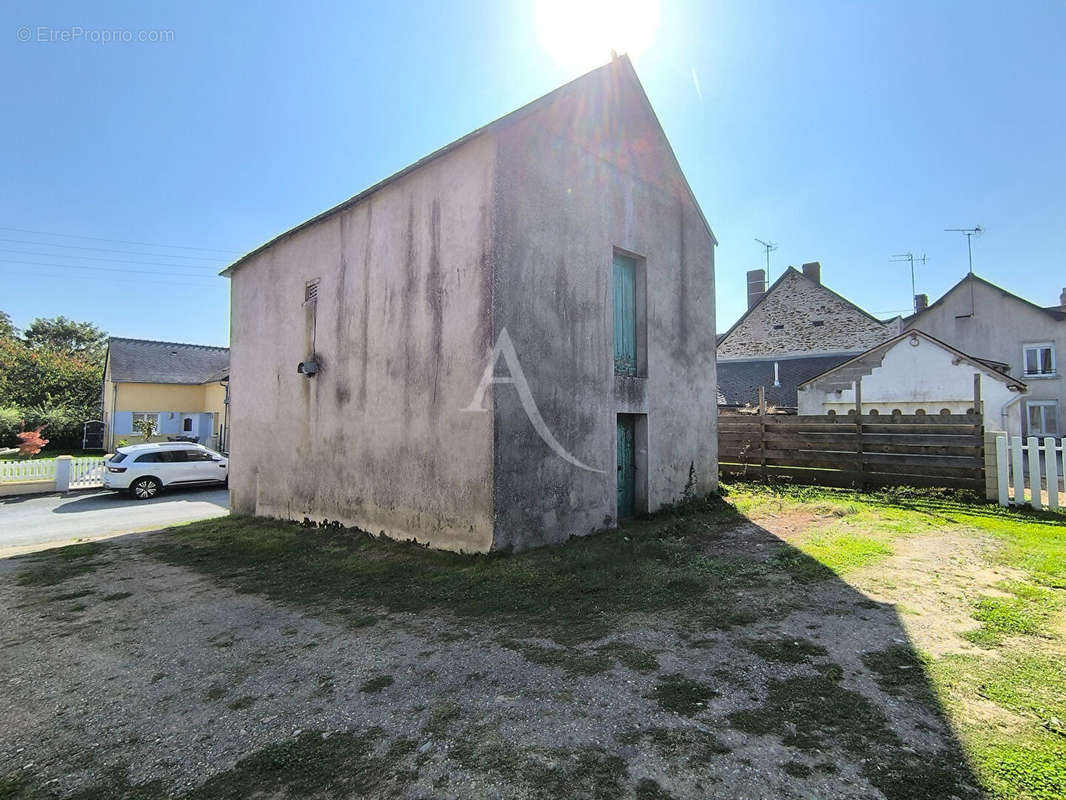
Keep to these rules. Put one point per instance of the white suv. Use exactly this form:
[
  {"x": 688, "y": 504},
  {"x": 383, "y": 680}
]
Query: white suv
[{"x": 144, "y": 469}]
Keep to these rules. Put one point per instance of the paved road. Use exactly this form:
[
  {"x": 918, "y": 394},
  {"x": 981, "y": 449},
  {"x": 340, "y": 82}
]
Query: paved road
[{"x": 30, "y": 521}]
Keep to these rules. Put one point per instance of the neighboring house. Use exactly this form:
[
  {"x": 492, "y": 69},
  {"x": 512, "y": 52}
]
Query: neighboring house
[
  {"x": 559, "y": 246},
  {"x": 796, "y": 329},
  {"x": 915, "y": 373},
  {"x": 183, "y": 387},
  {"x": 978, "y": 317}
]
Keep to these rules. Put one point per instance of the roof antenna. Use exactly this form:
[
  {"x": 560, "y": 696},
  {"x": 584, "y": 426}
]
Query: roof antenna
[
  {"x": 911, "y": 258},
  {"x": 769, "y": 247},
  {"x": 970, "y": 233}
]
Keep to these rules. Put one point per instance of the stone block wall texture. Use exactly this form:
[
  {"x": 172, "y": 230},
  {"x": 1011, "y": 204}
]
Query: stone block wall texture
[{"x": 784, "y": 323}]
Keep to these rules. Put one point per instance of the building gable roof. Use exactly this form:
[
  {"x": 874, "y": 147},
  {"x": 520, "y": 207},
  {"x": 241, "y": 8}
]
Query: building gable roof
[
  {"x": 148, "y": 361},
  {"x": 623, "y": 66},
  {"x": 878, "y": 352},
  {"x": 1055, "y": 312},
  {"x": 793, "y": 272},
  {"x": 739, "y": 381}
]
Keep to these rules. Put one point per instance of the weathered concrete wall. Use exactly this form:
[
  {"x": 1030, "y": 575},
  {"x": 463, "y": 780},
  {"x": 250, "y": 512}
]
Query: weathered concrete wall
[
  {"x": 797, "y": 304},
  {"x": 590, "y": 174},
  {"x": 378, "y": 438},
  {"x": 993, "y": 324}
]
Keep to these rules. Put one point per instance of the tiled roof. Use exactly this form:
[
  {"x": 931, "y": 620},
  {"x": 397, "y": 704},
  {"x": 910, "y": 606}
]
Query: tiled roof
[
  {"x": 739, "y": 381},
  {"x": 146, "y": 361}
]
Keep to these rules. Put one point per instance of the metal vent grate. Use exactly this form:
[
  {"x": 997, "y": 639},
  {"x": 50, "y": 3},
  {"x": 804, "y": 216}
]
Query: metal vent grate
[{"x": 311, "y": 290}]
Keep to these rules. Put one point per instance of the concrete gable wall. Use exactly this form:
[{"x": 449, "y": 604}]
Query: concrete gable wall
[
  {"x": 796, "y": 303},
  {"x": 378, "y": 438},
  {"x": 588, "y": 174}
]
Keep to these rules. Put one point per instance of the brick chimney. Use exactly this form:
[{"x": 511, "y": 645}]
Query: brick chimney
[
  {"x": 756, "y": 285},
  {"x": 921, "y": 302},
  {"x": 813, "y": 270}
]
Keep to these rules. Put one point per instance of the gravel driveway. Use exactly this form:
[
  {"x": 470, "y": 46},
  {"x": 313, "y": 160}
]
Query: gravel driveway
[{"x": 121, "y": 670}]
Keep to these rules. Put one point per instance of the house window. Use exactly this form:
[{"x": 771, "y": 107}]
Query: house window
[
  {"x": 1039, "y": 359},
  {"x": 625, "y": 315},
  {"x": 1042, "y": 417},
  {"x": 143, "y": 415},
  {"x": 186, "y": 425},
  {"x": 311, "y": 290}
]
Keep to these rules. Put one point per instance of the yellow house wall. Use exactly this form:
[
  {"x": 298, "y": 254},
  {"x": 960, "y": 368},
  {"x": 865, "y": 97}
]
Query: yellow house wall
[{"x": 178, "y": 397}]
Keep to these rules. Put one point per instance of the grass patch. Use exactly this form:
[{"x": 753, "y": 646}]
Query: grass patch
[
  {"x": 52, "y": 567},
  {"x": 797, "y": 769},
  {"x": 900, "y": 671},
  {"x": 815, "y": 713},
  {"x": 571, "y": 593},
  {"x": 376, "y": 684},
  {"x": 1026, "y": 612},
  {"x": 570, "y": 659},
  {"x": 585, "y": 772},
  {"x": 681, "y": 695},
  {"x": 648, "y": 789},
  {"x": 242, "y": 703},
  {"x": 696, "y": 748},
  {"x": 824, "y": 556},
  {"x": 785, "y": 651},
  {"x": 314, "y": 764}
]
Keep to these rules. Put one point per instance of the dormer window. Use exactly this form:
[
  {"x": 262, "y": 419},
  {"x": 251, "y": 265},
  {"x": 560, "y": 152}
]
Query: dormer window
[{"x": 1038, "y": 360}]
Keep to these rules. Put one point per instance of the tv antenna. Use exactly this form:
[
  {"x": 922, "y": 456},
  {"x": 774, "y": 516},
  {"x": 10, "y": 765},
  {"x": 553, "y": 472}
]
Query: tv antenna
[
  {"x": 911, "y": 258},
  {"x": 769, "y": 247},
  {"x": 970, "y": 233}
]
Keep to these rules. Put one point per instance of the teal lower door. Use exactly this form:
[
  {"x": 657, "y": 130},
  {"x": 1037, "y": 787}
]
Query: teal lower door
[{"x": 627, "y": 465}]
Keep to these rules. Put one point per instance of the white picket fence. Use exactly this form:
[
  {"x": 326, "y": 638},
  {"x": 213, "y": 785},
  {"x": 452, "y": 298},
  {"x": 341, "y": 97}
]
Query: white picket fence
[
  {"x": 85, "y": 471},
  {"x": 1033, "y": 463},
  {"x": 42, "y": 470}
]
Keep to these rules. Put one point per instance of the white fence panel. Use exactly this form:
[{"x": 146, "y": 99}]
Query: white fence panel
[
  {"x": 85, "y": 472},
  {"x": 40, "y": 470},
  {"x": 1034, "y": 465}
]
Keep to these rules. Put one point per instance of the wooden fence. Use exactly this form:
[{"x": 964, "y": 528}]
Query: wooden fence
[{"x": 851, "y": 450}]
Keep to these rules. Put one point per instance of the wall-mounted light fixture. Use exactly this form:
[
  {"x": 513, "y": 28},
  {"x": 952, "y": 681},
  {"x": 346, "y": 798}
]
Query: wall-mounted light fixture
[{"x": 308, "y": 368}]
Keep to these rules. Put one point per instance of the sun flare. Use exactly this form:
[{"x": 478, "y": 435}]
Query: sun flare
[{"x": 580, "y": 34}]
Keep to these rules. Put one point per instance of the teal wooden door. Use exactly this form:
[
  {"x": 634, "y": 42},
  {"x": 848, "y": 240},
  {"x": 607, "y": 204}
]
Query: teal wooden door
[
  {"x": 625, "y": 316},
  {"x": 627, "y": 466}
]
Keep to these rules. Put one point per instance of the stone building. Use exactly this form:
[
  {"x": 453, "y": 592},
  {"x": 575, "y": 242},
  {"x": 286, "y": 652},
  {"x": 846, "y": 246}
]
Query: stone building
[
  {"x": 505, "y": 344},
  {"x": 796, "y": 329}
]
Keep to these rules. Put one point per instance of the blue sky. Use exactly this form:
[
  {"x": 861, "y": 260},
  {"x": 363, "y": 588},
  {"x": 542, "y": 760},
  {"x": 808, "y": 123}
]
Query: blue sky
[{"x": 846, "y": 132}]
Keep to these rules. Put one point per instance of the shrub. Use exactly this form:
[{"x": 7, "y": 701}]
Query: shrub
[{"x": 10, "y": 425}]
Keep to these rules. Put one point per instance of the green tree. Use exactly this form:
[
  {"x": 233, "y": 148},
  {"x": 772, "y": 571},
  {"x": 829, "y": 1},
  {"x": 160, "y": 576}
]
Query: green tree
[
  {"x": 66, "y": 335},
  {"x": 7, "y": 327}
]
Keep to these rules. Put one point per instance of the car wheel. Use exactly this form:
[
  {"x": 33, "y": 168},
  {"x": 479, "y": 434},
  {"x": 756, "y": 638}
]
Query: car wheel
[{"x": 144, "y": 488}]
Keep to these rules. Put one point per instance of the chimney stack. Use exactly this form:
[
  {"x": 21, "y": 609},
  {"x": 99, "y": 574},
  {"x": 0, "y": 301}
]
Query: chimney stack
[
  {"x": 1062, "y": 297},
  {"x": 756, "y": 285},
  {"x": 921, "y": 302},
  {"x": 813, "y": 270}
]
